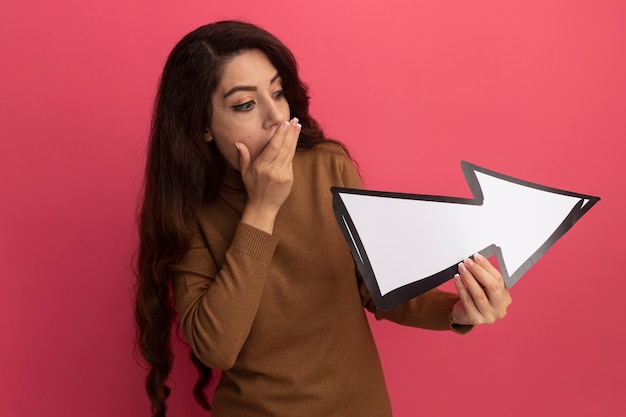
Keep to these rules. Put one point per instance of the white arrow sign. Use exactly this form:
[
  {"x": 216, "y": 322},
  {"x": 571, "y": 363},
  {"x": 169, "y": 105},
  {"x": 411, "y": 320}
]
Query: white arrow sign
[{"x": 406, "y": 244}]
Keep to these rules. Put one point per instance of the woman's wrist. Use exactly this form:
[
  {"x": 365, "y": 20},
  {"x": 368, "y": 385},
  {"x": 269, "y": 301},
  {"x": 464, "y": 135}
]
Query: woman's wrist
[{"x": 262, "y": 218}]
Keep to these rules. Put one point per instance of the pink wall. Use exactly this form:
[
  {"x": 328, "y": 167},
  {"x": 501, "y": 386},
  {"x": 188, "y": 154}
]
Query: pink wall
[{"x": 534, "y": 89}]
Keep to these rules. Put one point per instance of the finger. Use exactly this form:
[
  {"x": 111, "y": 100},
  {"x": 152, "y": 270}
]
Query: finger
[
  {"x": 273, "y": 147},
  {"x": 471, "y": 312},
  {"x": 473, "y": 286},
  {"x": 491, "y": 280},
  {"x": 501, "y": 285},
  {"x": 482, "y": 261},
  {"x": 487, "y": 291},
  {"x": 288, "y": 147},
  {"x": 293, "y": 144},
  {"x": 244, "y": 157}
]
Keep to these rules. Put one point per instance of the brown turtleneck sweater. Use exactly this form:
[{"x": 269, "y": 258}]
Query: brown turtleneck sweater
[{"x": 282, "y": 315}]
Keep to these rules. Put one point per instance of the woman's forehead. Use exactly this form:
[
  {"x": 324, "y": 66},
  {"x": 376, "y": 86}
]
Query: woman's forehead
[{"x": 251, "y": 67}]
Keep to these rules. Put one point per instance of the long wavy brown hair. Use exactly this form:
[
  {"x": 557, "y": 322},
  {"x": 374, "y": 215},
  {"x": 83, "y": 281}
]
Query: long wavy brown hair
[{"x": 183, "y": 172}]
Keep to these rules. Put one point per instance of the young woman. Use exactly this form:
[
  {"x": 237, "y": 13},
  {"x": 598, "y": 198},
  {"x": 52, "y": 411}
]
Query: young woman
[{"x": 238, "y": 240}]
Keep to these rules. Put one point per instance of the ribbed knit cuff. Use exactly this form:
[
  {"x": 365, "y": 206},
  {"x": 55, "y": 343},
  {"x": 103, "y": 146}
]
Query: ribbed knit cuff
[
  {"x": 457, "y": 328},
  {"x": 461, "y": 328},
  {"x": 254, "y": 242},
  {"x": 444, "y": 313}
]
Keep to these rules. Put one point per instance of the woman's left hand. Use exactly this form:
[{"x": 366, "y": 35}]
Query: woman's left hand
[{"x": 483, "y": 296}]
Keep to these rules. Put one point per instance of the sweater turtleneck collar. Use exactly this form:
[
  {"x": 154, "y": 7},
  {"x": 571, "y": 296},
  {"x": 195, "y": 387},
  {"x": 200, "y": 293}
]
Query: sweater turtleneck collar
[{"x": 232, "y": 180}]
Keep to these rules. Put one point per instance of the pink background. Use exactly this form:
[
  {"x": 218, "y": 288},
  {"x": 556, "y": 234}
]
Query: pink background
[{"x": 533, "y": 89}]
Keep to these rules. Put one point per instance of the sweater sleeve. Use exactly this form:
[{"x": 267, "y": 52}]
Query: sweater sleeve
[
  {"x": 218, "y": 303},
  {"x": 430, "y": 310}
]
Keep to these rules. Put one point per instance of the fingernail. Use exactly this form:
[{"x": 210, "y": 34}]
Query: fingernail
[
  {"x": 298, "y": 126},
  {"x": 237, "y": 145},
  {"x": 457, "y": 277},
  {"x": 286, "y": 125},
  {"x": 478, "y": 257},
  {"x": 468, "y": 262},
  {"x": 294, "y": 121},
  {"x": 462, "y": 267}
]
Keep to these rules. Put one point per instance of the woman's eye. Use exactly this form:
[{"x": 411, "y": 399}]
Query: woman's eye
[
  {"x": 247, "y": 106},
  {"x": 279, "y": 94}
]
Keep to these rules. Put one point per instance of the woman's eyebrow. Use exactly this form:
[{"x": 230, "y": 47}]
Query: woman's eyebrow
[{"x": 248, "y": 87}]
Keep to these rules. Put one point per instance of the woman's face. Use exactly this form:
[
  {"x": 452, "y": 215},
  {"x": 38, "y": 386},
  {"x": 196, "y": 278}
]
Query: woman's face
[{"x": 248, "y": 105}]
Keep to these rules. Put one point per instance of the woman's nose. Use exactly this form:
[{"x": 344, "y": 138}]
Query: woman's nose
[{"x": 275, "y": 114}]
